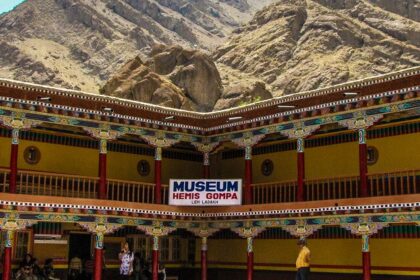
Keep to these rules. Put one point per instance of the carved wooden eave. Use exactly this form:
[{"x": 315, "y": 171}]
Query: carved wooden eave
[
  {"x": 314, "y": 106},
  {"x": 409, "y": 102},
  {"x": 104, "y": 219}
]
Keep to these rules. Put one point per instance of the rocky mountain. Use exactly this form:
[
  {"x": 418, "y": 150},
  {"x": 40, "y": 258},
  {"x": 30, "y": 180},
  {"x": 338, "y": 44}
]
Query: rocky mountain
[
  {"x": 80, "y": 43},
  {"x": 298, "y": 45},
  {"x": 180, "y": 78},
  {"x": 229, "y": 52}
]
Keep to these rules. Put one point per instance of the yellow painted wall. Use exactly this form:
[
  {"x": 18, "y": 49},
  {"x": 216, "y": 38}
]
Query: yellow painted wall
[
  {"x": 285, "y": 166},
  {"x": 395, "y": 153},
  {"x": 339, "y": 252},
  {"x": 229, "y": 168},
  {"x": 55, "y": 251},
  {"x": 182, "y": 169},
  {"x": 123, "y": 166},
  {"x": 338, "y": 160},
  {"x": 5, "y": 152},
  {"x": 83, "y": 161},
  {"x": 332, "y": 161},
  {"x": 61, "y": 159}
]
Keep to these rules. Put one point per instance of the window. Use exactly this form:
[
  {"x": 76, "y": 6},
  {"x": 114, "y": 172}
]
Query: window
[
  {"x": 143, "y": 167},
  {"x": 267, "y": 167},
  {"x": 372, "y": 155},
  {"x": 32, "y": 155}
]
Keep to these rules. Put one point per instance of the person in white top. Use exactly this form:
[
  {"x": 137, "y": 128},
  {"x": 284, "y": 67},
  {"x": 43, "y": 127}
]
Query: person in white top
[{"x": 126, "y": 257}]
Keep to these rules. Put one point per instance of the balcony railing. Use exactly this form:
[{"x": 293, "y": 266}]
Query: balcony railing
[
  {"x": 274, "y": 192},
  {"x": 394, "y": 183},
  {"x": 131, "y": 191},
  {"x": 4, "y": 179},
  {"x": 53, "y": 184},
  {"x": 332, "y": 188},
  {"x": 381, "y": 184}
]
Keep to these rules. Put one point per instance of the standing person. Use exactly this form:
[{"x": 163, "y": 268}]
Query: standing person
[
  {"x": 49, "y": 270},
  {"x": 75, "y": 269},
  {"x": 161, "y": 272},
  {"x": 27, "y": 261},
  {"x": 137, "y": 266},
  {"x": 302, "y": 262},
  {"x": 126, "y": 257}
]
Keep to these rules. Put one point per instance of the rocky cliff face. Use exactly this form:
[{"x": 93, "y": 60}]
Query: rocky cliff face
[
  {"x": 173, "y": 77},
  {"x": 287, "y": 47},
  {"x": 80, "y": 43},
  {"x": 297, "y": 45}
]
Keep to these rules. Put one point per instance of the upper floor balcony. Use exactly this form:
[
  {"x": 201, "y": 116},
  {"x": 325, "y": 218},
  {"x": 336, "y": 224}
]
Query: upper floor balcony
[{"x": 335, "y": 188}]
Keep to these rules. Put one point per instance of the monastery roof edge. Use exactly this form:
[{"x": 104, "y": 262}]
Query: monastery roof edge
[{"x": 216, "y": 114}]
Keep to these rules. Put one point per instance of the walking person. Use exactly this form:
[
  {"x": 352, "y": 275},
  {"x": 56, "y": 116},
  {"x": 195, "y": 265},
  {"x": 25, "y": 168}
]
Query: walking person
[
  {"x": 126, "y": 258},
  {"x": 303, "y": 261}
]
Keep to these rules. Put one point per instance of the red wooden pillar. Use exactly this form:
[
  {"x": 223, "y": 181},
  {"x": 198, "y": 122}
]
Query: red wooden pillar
[
  {"x": 366, "y": 257},
  {"x": 206, "y": 165},
  {"x": 102, "y": 192},
  {"x": 363, "y": 163},
  {"x": 250, "y": 259},
  {"x": 248, "y": 175},
  {"x": 14, "y": 160},
  {"x": 300, "y": 169},
  {"x": 158, "y": 175},
  {"x": 97, "y": 274},
  {"x": 155, "y": 258},
  {"x": 204, "y": 258},
  {"x": 7, "y": 261}
]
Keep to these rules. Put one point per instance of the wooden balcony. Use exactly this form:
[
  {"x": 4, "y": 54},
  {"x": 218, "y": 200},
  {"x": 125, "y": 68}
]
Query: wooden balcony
[
  {"x": 379, "y": 184},
  {"x": 65, "y": 185}
]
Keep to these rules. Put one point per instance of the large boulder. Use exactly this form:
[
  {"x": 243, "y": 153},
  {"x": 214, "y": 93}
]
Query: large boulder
[
  {"x": 173, "y": 77},
  {"x": 136, "y": 81},
  {"x": 191, "y": 70}
]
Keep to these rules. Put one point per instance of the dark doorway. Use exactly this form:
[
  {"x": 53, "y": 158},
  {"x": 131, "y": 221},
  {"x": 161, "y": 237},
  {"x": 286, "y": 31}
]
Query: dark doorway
[{"x": 80, "y": 245}]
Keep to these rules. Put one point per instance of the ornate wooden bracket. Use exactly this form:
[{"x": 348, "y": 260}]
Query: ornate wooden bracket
[
  {"x": 206, "y": 146},
  {"x": 104, "y": 134},
  {"x": 99, "y": 228},
  {"x": 301, "y": 229},
  {"x": 157, "y": 229},
  {"x": 247, "y": 141},
  {"x": 360, "y": 121},
  {"x": 204, "y": 232},
  {"x": 18, "y": 122},
  {"x": 364, "y": 228},
  {"x": 11, "y": 222},
  {"x": 300, "y": 131},
  {"x": 159, "y": 140},
  {"x": 249, "y": 233}
]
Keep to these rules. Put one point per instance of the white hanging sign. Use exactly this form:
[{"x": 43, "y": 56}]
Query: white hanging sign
[{"x": 205, "y": 192}]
